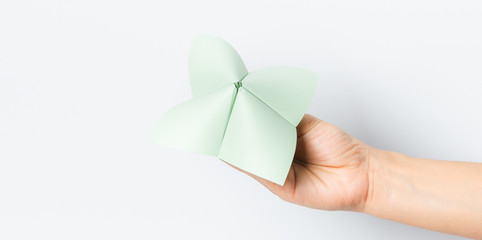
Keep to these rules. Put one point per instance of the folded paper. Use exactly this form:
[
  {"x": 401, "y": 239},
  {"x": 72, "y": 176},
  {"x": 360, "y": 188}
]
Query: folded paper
[{"x": 246, "y": 119}]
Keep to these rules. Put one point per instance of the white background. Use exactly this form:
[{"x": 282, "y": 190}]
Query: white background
[{"x": 82, "y": 84}]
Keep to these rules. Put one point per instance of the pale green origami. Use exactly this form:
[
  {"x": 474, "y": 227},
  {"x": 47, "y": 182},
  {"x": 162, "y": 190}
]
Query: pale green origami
[{"x": 247, "y": 119}]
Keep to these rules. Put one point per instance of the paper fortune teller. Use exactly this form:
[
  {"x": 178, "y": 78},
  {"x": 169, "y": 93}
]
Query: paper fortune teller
[{"x": 246, "y": 119}]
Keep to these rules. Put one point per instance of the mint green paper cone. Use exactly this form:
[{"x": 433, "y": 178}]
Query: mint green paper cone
[
  {"x": 213, "y": 64},
  {"x": 288, "y": 90},
  {"x": 197, "y": 125},
  {"x": 258, "y": 140}
]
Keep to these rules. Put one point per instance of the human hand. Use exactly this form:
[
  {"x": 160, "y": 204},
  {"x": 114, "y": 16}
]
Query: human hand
[
  {"x": 329, "y": 170},
  {"x": 332, "y": 170}
]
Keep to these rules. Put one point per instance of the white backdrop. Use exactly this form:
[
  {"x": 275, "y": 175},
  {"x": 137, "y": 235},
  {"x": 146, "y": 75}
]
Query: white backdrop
[{"x": 82, "y": 84}]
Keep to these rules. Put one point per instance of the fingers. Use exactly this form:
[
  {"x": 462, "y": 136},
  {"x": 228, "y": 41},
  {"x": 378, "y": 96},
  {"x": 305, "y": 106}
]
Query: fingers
[{"x": 307, "y": 123}]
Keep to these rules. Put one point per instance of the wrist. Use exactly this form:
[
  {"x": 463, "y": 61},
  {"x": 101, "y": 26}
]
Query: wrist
[{"x": 380, "y": 166}]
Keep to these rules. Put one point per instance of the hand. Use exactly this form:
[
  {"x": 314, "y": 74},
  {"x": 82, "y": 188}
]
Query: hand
[
  {"x": 332, "y": 170},
  {"x": 329, "y": 171}
]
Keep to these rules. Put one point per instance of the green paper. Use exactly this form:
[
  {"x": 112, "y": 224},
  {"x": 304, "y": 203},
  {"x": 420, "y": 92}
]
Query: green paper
[
  {"x": 213, "y": 63},
  {"x": 197, "y": 125},
  {"x": 287, "y": 90},
  {"x": 247, "y": 119},
  {"x": 258, "y": 140}
]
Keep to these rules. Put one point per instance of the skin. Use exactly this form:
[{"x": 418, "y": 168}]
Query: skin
[{"x": 334, "y": 171}]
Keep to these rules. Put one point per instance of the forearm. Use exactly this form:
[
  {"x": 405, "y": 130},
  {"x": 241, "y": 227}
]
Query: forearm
[{"x": 443, "y": 196}]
